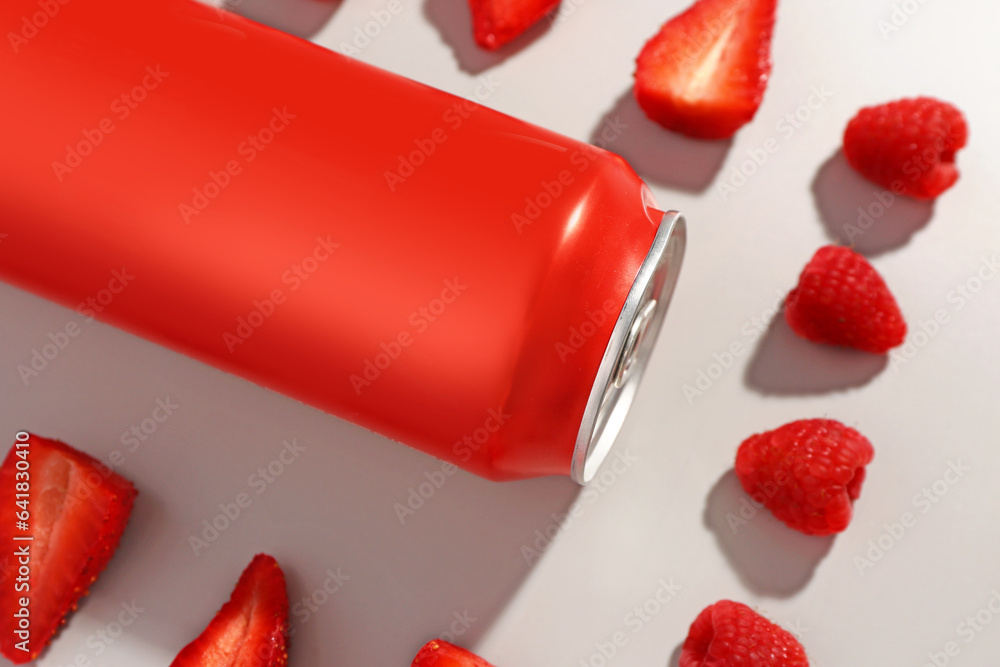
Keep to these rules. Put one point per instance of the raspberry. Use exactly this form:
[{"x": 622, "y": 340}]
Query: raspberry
[
  {"x": 808, "y": 473},
  {"x": 731, "y": 634},
  {"x": 842, "y": 300},
  {"x": 907, "y": 146}
]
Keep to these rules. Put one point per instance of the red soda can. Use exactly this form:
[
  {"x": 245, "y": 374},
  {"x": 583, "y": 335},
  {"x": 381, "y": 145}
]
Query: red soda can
[{"x": 453, "y": 278}]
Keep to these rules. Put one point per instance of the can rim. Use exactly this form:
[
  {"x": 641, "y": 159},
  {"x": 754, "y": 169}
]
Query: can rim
[{"x": 629, "y": 348}]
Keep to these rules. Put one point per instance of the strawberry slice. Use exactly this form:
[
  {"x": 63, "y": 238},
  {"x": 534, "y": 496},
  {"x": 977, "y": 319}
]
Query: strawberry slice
[
  {"x": 438, "y": 653},
  {"x": 74, "y": 509},
  {"x": 250, "y": 629},
  {"x": 496, "y": 22},
  {"x": 705, "y": 72}
]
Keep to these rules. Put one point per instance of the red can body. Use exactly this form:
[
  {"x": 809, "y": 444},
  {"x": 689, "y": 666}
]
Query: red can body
[{"x": 420, "y": 265}]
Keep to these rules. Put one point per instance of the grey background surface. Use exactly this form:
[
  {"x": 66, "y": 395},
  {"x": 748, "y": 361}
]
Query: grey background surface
[{"x": 659, "y": 529}]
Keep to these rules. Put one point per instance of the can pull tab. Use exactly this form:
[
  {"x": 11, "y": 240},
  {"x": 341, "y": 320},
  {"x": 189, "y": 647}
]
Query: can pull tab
[{"x": 629, "y": 355}]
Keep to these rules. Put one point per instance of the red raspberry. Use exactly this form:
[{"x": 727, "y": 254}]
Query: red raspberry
[
  {"x": 842, "y": 300},
  {"x": 808, "y": 473},
  {"x": 730, "y": 634},
  {"x": 907, "y": 146}
]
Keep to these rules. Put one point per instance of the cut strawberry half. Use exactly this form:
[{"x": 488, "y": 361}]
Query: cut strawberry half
[
  {"x": 250, "y": 629},
  {"x": 65, "y": 514},
  {"x": 705, "y": 72},
  {"x": 496, "y": 22},
  {"x": 438, "y": 653}
]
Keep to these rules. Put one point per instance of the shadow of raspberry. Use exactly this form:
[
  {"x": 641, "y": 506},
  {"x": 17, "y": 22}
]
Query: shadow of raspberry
[
  {"x": 302, "y": 18},
  {"x": 659, "y": 156},
  {"x": 863, "y": 215},
  {"x": 453, "y": 21},
  {"x": 675, "y": 657},
  {"x": 786, "y": 364},
  {"x": 769, "y": 557}
]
